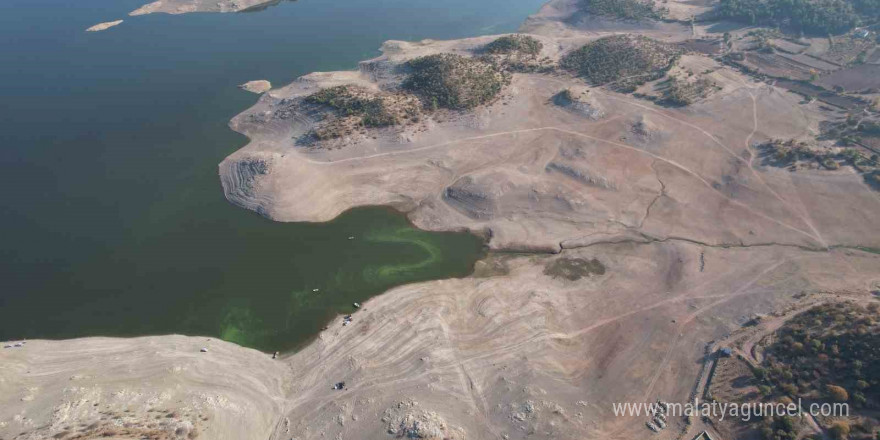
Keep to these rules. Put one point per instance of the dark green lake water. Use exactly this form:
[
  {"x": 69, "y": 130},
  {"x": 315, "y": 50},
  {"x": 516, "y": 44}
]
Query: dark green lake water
[{"x": 113, "y": 218}]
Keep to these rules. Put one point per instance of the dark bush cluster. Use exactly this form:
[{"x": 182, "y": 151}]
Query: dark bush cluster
[
  {"x": 453, "y": 81},
  {"x": 627, "y": 60},
  {"x": 515, "y": 43},
  {"x": 626, "y": 9},
  {"x": 830, "y": 353},
  {"x": 818, "y": 17}
]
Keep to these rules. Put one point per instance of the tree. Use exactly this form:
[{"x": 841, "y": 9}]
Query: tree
[
  {"x": 840, "y": 431},
  {"x": 837, "y": 393}
]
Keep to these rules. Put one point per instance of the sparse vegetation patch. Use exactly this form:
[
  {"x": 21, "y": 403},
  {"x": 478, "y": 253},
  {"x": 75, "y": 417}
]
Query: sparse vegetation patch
[
  {"x": 795, "y": 155},
  {"x": 574, "y": 269},
  {"x": 625, "y": 60},
  {"x": 453, "y": 81},
  {"x": 681, "y": 92},
  {"x": 357, "y": 107},
  {"x": 517, "y": 53}
]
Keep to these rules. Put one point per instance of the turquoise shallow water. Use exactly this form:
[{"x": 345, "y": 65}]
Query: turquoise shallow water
[{"x": 113, "y": 218}]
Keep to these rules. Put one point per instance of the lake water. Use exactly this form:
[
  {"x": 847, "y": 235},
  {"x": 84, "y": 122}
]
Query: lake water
[{"x": 113, "y": 218}]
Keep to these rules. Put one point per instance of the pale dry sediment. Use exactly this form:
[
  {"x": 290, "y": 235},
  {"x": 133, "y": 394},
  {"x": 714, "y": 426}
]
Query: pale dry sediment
[
  {"x": 158, "y": 387},
  {"x": 104, "y": 26}
]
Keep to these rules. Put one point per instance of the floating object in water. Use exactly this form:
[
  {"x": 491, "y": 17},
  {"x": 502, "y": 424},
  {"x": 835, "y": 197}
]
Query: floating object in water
[
  {"x": 315, "y": 290},
  {"x": 351, "y": 238},
  {"x": 357, "y": 305},
  {"x": 204, "y": 350}
]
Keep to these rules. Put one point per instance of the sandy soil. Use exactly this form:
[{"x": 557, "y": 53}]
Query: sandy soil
[
  {"x": 186, "y": 6},
  {"x": 153, "y": 387},
  {"x": 104, "y": 26},
  {"x": 692, "y": 234},
  {"x": 257, "y": 86}
]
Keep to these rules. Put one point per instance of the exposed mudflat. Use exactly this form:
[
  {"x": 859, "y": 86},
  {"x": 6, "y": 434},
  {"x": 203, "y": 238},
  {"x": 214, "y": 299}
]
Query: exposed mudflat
[
  {"x": 186, "y": 6},
  {"x": 257, "y": 86},
  {"x": 152, "y": 387},
  {"x": 104, "y": 26},
  {"x": 645, "y": 233}
]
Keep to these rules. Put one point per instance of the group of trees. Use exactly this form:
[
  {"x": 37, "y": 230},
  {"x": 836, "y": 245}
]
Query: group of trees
[
  {"x": 357, "y": 107},
  {"x": 779, "y": 428},
  {"x": 829, "y": 353},
  {"x": 626, "y": 9},
  {"x": 515, "y": 43},
  {"x": 454, "y": 81},
  {"x": 627, "y": 60},
  {"x": 517, "y": 53},
  {"x": 820, "y": 17},
  {"x": 434, "y": 81}
]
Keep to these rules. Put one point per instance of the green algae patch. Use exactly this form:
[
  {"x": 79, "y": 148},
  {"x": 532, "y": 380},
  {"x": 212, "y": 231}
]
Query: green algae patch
[
  {"x": 363, "y": 253},
  {"x": 399, "y": 272}
]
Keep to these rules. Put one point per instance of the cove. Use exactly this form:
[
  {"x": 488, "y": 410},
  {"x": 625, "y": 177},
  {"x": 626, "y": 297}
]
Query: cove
[{"x": 113, "y": 217}]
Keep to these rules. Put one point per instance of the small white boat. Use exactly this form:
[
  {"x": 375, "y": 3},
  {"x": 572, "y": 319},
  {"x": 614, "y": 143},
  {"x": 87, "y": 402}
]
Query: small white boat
[{"x": 357, "y": 305}]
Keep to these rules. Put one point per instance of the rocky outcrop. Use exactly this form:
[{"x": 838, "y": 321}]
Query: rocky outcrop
[{"x": 241, "y": 179}]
